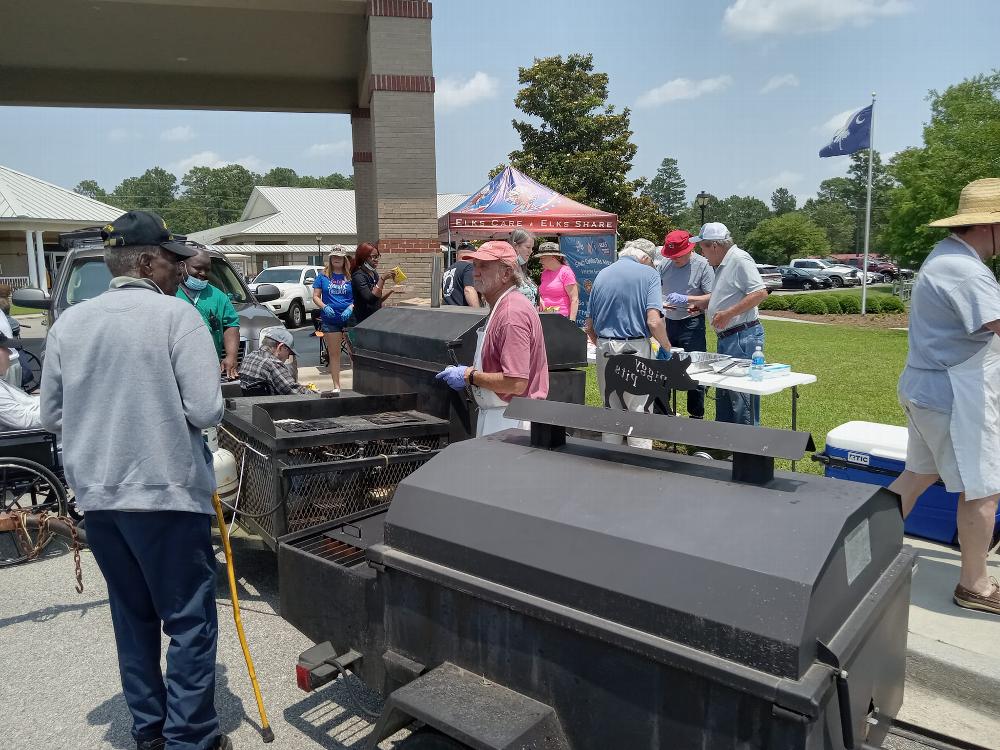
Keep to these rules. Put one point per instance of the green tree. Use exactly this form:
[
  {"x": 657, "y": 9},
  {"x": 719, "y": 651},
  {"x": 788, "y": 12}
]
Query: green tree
[
  {"x": 667, "y": 189},
  {"x": 782, "y": 201},
  {"x": 221, "y": 193},
  {"x": 579, "y": 145},
  {"x": 740, "y": 213},
  {"x": 91, "y": 189},
  {"x": 836, "y": 219},
  {"x": 153, "y": 190},
  {"x": 643, "y": 220},
  {"x": 961, "y": 144},
  {"x": 779, "y": 239},
  {"x": 280, "y": 177},
  {"x": 882, "y": 184}
]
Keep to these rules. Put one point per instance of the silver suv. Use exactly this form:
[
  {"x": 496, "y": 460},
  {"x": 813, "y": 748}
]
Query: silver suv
[{"x": 839, "y": 275}]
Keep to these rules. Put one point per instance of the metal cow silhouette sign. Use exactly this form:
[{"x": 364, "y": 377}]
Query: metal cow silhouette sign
[{"x": 638, "y": 376}]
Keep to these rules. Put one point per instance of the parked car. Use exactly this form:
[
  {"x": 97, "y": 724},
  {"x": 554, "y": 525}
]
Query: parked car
[
  {"x": 84, "y": 275},
  {"x": 295, "y": 284},
  {"x": 887, "y": 269},
  {"x": 840, "y": 275},
  {"x": 772, "y": 279},
  {"x": 803, "y": 278}
]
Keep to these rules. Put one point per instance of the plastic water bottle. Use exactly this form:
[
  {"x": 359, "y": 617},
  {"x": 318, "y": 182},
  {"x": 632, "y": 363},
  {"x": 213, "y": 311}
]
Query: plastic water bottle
[{"x": 757, "y": 365}]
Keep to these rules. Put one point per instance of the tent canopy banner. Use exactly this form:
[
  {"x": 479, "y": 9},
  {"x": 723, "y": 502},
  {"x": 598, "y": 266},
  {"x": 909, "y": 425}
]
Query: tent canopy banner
[
  {"x": 512, "y": 200},
  {"x": 587, "y": 256}
]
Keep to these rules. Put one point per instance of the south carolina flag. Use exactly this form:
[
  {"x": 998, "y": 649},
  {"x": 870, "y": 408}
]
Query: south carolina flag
[{"x": 854, "y": 135}]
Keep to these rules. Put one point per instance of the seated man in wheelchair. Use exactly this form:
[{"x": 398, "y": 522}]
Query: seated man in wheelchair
[
  {"x": 18, "y": 410},
  {"x": 264, "y": 372}
]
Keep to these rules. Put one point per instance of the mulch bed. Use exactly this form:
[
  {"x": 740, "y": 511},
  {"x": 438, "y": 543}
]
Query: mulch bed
[{"x": 894, "y": 320}]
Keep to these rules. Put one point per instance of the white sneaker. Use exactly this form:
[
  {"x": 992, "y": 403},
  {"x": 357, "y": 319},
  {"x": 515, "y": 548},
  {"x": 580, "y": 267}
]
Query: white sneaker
[{"x": 335, "y": 391}]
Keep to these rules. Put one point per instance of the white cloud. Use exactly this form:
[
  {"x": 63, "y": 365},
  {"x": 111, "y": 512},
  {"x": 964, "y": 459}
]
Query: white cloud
[
  {"x": 777, "y": 82},
  {"x": 454, "y": 93},
  {"x": 752, "y": 18},
  {"x": 683, "y": 88},
  {"x": 835, "y": 123},
  {"x": 213, "y": 160},
  {"x": 321, "y": 150},
  {"x": 785, "y": 178},
  {"x": 119, "y": 135},
  {"x": 178, "y": 134}
]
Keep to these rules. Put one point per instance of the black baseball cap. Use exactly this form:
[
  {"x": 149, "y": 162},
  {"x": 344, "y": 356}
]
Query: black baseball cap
[{"x": 145, "y": 228}]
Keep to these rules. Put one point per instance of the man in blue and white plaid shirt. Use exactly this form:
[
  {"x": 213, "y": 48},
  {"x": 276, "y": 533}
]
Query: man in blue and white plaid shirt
[{"x": 266, "y": 366}]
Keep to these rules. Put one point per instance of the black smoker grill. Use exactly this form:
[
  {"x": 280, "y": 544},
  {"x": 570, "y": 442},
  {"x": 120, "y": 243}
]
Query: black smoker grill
[
  {"x": 539, "y": 592},
  {"x": 307, "y": 460},
  {"x": 401, "y": 349}
]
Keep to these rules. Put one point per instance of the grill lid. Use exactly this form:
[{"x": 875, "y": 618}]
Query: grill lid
[{"x": 666, "y": 545}]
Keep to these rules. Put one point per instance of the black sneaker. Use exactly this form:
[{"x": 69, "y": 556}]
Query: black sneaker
[
  {"x": 158, "y": 744},
  {"x": 222, "y": 742}
]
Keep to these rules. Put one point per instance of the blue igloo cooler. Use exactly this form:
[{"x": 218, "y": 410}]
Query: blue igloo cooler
[{"x": 876, "y": 454}]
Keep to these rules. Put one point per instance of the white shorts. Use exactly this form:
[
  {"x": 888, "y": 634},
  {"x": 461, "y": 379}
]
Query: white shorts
[{"x": 929, "y": 449}]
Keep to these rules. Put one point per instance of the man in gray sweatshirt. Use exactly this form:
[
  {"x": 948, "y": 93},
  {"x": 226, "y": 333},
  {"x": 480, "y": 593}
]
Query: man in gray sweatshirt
[{"x": 124, "y": 386}]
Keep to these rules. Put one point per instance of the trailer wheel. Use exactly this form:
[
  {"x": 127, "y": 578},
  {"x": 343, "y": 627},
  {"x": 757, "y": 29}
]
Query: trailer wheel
[{"x": 430, "y": 739}]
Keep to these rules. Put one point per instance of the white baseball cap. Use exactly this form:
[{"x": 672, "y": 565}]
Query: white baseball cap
[{"x": 714, "y": 231}]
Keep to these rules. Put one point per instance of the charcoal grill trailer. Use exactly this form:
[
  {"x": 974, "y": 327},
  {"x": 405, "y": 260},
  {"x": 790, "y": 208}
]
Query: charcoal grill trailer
[{"x": 536, "y": 591}]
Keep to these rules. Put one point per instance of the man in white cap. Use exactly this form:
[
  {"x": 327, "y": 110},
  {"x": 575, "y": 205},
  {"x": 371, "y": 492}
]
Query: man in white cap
[
  {"x": 950, "y": 389},
  {"x": 265, "y": 367},
  {"x": 732, "y": 311}
]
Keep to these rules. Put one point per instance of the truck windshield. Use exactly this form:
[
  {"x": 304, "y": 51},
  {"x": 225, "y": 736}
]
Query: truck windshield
[
  {"x": 279, "y": 276},
  {"x": 89, "y": 277}
]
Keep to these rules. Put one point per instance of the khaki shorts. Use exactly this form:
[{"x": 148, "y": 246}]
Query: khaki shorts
[{"x": 929, "y": 449}]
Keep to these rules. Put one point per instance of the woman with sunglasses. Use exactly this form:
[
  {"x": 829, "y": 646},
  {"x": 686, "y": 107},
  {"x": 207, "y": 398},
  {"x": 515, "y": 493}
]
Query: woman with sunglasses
[{"x": 368, "y": 286}]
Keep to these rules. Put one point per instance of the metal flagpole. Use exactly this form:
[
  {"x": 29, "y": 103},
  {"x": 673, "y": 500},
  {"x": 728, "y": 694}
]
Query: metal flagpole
[{"x": 868, "y": 212}]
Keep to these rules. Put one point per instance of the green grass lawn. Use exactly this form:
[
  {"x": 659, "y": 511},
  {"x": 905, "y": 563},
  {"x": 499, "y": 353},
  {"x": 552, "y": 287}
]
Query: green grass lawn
[
  {"x": 15, "y": 310},
  {"x": 856, "y": 369}
]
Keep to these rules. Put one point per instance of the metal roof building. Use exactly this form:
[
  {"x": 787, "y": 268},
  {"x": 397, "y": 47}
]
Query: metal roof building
[{"x": 32, "y": 212}]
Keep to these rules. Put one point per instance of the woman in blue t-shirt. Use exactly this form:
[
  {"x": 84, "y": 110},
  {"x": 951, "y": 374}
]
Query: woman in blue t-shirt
[{"x": 334, "y": 297}]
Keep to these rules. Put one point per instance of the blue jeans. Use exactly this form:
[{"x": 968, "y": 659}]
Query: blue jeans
[
  {"x": 689, "y": 334},
  {"x": 160, "y": 570},
  {"x": 739, "y": 408}
]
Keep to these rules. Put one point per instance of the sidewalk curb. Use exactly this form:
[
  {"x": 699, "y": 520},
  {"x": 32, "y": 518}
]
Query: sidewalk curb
[{"x": 966, "y": 677}]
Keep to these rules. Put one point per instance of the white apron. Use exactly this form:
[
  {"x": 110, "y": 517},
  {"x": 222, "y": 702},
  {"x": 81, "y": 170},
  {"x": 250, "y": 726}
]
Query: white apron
[
  {"x": 491, "y": 406},
  {"x": 975, "y": 420}
]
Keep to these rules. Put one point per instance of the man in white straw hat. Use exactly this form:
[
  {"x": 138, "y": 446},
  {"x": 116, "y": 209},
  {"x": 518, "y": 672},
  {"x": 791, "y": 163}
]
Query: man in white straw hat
[{"x": 950, "y": 389}]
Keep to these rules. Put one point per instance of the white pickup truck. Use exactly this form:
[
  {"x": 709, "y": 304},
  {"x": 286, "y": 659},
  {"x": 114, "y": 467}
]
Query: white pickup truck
[
  {"x": 295, "y": 284},
  {"x": 838, "y": 274}
]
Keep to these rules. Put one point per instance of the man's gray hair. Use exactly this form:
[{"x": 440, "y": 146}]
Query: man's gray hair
[
  {"x": 635, "y": 253},
  {"x": 124, "y": 261}
]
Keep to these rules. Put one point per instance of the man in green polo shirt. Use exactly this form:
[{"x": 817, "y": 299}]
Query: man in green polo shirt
[{"x": 216, "y": 310}]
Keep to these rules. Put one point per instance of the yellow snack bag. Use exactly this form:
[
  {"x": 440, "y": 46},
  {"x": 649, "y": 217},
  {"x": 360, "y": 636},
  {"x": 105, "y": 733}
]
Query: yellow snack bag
[{"x": 398, "y": 276}]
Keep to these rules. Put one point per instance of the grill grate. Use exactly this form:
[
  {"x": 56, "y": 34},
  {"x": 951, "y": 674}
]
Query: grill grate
[
  {"x": 392, "y": 418},
  {"x": 341, "y": 553},
  {"x": 308, "y": 425}
]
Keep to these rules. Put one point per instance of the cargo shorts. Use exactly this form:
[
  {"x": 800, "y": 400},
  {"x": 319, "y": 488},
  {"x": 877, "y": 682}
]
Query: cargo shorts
[{"x": 929, "y": 449}]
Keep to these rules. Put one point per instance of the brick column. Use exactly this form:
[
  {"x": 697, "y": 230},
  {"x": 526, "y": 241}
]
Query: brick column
[
  {"x": 399, "y": 90},
  {"x": 365, "y": 206}
]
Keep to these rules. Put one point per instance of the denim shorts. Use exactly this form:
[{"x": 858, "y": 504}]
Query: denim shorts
[{"x": 338, "y": 326}]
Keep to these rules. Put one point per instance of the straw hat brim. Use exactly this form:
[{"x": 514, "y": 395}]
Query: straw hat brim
[
  {"x": 550, "y": 254},
  {"x": 968, "y": 220}
]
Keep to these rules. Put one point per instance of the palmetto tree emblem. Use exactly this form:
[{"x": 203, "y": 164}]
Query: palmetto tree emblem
[{"x": 845, "y": 131}]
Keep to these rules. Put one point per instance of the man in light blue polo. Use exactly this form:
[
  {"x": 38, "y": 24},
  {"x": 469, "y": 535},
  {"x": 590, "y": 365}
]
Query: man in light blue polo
[
  {"x": 950, "y": 389},
  {"x": 732, "y": 311},
  {"x": 626, "y": 308}
]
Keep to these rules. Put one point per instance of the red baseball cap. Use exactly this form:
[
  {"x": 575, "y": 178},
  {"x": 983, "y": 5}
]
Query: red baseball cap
[
  {"x": 677, "y": 243},
  {"x": 493, "y": 250}
]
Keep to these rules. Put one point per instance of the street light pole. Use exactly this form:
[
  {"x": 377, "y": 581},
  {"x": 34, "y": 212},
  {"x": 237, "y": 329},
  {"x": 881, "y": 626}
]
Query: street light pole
[
  {"x": 319, "y": 249},
  {"x": 702, "y": 200}
]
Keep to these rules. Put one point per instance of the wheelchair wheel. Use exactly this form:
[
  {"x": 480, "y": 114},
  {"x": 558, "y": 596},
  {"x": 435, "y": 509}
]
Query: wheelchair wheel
[
  {"x": 31, "y": 371},
  {"x": 30, "y": 487}
]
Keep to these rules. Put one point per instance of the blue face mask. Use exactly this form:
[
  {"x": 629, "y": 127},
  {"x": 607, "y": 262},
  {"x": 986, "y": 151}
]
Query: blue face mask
[{"x": 195, "y": 285}]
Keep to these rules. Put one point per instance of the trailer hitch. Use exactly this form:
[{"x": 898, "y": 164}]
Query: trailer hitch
[{"x": 320, "y": 664}]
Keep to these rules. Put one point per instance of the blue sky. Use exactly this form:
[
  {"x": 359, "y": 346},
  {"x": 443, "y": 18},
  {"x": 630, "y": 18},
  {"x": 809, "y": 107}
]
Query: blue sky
[{"x": 742, "y": 92}]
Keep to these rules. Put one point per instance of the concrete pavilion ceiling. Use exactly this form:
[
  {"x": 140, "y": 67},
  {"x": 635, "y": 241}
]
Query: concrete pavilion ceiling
[{"x": 269, "y": 55}]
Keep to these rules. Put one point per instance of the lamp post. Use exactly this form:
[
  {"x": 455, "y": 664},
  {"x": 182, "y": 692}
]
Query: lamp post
[
  {"x": 319, "y": 249},
  {"x": 701, "y": 200}
]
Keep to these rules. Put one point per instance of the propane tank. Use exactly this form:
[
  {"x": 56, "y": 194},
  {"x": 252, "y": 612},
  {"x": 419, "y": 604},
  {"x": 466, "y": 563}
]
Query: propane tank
[{"x": 227, "y": 472}]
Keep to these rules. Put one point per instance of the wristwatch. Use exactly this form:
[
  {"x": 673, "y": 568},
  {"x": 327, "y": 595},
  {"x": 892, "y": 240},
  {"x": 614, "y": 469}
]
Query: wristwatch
[{"x": 472, "y": 373}]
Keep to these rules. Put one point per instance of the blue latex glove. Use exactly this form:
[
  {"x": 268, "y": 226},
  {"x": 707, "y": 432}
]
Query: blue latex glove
[
  {"x": 676, "y": 300},
  {"x": 329, "y": 313},
  {"x": 662, "y": 353},
  {"x": 454, "y": 376},
  {"x": 346, "y": 315}
]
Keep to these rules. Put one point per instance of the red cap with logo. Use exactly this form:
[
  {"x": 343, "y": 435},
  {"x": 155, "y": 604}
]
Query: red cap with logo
[
  {"x": 677, "y": 243},
  {"x": 493, "y": 250}
]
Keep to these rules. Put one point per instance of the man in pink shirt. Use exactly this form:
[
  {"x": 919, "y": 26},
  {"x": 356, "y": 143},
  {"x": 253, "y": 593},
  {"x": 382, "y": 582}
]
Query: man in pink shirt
[{"x": 510, "y": 354}]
